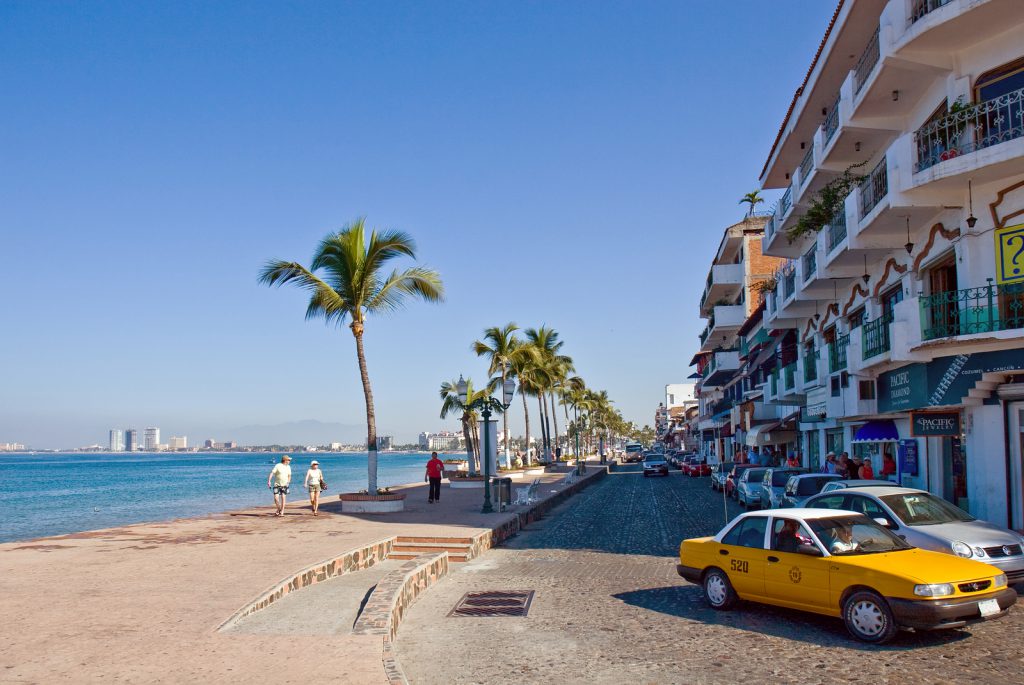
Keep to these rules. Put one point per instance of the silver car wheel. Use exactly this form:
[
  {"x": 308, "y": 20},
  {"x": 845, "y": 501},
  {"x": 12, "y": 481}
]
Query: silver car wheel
[
  {"x": 867, "y": 618},
  {"x": 715, "y": 589}
]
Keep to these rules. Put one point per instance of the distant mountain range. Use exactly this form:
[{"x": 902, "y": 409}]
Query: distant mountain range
[{"x": 308, "y": 432}]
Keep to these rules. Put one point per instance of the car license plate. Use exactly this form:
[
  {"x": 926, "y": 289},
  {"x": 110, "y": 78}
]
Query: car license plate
[{"x": 988, "y": 607}]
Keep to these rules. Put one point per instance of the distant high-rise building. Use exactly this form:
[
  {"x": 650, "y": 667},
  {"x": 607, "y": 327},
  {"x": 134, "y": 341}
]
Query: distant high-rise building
[
  {"x": 335, "y": 446},
  {"x": 131, "y": 440},
  {"x": 384, "y": 442},
  {"x": 209, "y": 444},
  {"x": 152, "y": 438},
  {"x": 178, "y": 443},
  {"x": 117, "y": 440}
]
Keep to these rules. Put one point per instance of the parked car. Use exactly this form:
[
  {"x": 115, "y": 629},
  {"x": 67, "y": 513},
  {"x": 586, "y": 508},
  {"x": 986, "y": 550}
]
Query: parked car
[
  {"x": 748, "y": 489},
  {"x": 930, "y": 522},
  {"x": 720, "y": 473},
  {"x": 853, "y": 483},
  {"x": 845, "y": 565},
  {"x": 655, "y": 466},
  {"x": 774, "y": 483},
  {"x": 697, "y": 466},
  {"x": 800, "y": 487},
  {"x": 734, "y": 477}
]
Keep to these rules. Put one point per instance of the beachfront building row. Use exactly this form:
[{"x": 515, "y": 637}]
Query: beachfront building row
[{"x": 895, "y": 322}]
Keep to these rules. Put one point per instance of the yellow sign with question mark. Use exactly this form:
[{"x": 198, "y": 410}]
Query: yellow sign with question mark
[{"x": 1010, "y": 254}]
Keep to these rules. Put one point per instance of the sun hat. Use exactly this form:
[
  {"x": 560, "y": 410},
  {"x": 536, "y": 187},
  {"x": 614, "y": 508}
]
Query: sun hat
[{"x": 314, "y": 463}]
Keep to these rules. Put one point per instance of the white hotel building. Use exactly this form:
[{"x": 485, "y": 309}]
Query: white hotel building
[{"x": 908, "y": 306}]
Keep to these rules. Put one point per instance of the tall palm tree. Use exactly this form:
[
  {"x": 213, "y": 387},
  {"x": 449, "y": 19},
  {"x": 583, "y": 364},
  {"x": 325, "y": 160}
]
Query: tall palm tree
[
  {"x": 546, "y": 344},
  {"x": 353, "y": 285},
  {"x": 451, "y": 403},
  {"x": 752, "y": 199},
  {"x": 521, "y": 366},
  {"x": 500, "y": 346}
]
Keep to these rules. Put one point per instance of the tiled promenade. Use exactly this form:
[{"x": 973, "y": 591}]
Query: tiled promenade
[
  {"x": 143, "y": 603},
  {"x": 610, "y": 609}
]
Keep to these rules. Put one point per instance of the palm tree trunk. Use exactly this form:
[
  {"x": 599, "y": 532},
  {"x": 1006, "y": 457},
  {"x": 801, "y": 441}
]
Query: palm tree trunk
[
  {"x": 504, "y": 419},
  {"x": 554, "y": 418},
  {"x": 371, "y": 417},
  {"x": 547, "y": 426},
  {"x": 526, "y": 418},
  {"x": 468, "y": 436},
  {"x": 543, "y": 432},
  {"x": 476, "y": 442}
]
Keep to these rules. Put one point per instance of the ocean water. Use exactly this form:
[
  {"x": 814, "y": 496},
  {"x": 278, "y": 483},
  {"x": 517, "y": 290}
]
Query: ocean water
[{"x": 52, "y": 494}]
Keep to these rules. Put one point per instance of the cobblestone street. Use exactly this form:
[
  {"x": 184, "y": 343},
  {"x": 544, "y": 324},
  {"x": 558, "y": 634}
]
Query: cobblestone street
[{"x": 609, "y": 608}]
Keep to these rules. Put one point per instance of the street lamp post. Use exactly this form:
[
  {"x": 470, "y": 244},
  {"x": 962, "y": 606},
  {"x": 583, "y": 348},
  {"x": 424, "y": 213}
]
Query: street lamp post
[
  {"x": 579, "y": 461},
  {"x": 486, "y": 405}
]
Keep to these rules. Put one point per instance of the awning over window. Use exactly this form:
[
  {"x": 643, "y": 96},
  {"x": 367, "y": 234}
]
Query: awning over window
[
  {"x": 881, "y": 430},
  {"x": 768, "y": 433}
]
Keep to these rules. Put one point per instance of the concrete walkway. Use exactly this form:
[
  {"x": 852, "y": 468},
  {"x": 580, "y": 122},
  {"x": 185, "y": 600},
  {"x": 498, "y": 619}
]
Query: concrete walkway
[{"x": 143, "y": 603}]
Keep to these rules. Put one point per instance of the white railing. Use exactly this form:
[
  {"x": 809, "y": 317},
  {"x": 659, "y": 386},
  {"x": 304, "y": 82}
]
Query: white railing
[{"x": 970, "y": 128}]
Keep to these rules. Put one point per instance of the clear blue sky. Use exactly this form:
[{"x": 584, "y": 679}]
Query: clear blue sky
[{"x": 560, "y": 163}]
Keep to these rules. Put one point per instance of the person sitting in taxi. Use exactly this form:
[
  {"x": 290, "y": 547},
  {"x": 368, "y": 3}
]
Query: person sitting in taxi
[
  {"x": 788, "y": 538},
  {"x": 843, "y": 540}
]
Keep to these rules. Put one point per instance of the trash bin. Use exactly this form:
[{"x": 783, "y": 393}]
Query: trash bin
[{"x": 502, "y": 492}]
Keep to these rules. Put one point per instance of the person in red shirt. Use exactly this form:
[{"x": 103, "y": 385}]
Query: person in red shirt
[
  {"x": 888, "y": 467},
  {"x": 435, "y": 472}
]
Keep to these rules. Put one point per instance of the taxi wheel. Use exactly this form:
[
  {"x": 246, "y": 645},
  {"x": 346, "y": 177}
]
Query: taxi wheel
[
  {"x": 718, "y": 590},
  {"x": 868, "y": 617}
]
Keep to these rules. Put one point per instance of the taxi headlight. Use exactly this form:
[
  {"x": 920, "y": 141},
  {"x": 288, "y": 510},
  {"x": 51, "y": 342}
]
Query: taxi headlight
[
  {"x": 961, "y": 549},
  {"x": 934, "y": 590},
  {"x": 999, "y": 581}
]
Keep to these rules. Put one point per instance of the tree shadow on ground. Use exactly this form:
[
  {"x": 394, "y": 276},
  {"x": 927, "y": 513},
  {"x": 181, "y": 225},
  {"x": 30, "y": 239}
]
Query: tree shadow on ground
[{"x": 687, "y": 602}]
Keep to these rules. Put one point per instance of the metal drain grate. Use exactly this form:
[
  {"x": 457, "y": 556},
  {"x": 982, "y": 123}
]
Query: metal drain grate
[{"x": 494, "y": 603}]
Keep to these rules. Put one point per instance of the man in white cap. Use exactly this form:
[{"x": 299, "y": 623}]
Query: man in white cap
[
  {"x": 830, "y": 463},
  {"x": 279, "y": 480}
]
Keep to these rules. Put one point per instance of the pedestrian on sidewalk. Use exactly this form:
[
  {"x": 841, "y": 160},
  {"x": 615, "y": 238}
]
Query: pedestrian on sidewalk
[
  {"x": 279, "y": 479},
  {"x": 314, "y": 483},
  {"x": 435, "y": 472}
]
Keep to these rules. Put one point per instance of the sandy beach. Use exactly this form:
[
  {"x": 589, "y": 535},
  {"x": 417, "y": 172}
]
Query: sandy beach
[{"x": 143, "y": 603}]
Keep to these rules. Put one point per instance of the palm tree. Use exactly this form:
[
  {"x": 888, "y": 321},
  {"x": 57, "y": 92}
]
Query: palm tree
[
  {"x": 546, "y": 343},
  {"x": 752, "y": 199},
  {"x": 354, "y": 285},
  {"x": 521, "y": 363},
  {"x": 500, "y": 347},
  {"x": 451, "y": 403}
]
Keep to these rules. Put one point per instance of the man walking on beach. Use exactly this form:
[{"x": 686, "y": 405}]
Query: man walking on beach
[
  {"x": 435, "y": 471},
  {"x": 279, "y": 479}
]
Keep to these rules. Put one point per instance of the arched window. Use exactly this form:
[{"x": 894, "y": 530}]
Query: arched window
[{"x": 1000, "y": 81}]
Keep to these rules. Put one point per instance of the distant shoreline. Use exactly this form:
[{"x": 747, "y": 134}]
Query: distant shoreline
[{"x": 182, "y": 453}]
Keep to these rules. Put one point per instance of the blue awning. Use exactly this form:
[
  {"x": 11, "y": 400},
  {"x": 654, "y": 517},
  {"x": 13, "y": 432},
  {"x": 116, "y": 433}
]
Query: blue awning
[{"x": 881, "y": 430}]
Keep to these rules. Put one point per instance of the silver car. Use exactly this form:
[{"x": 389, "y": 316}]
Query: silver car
[
  {"x": 930, "y": 522},
  {"x": 804, "y": 486},
  {"x": 774, "y": 483},
  {"x": 748, "y": 490},
  {"x": 854, "y": 483},
  {"x": 719, "y": 474}
]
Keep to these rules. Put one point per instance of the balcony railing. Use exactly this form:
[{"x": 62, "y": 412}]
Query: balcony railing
[
  {"x": 769, "y": 228},
  {"x": 875, "y": 336},
  {"x": 789, "y": 375},
  {"x": 807, "y": 166},
  {"x": 706, "y": 332},
  {"x": 786, "y": 202},
  {"x": 923, "y": 7},
  {"x": 810, "y": 262},
  {"x": 866, "y": 63},
  {"x": 788, "y": 280},
  {"x": 972, "y": 310},
  {"x": 837, "y": 229},
  {"x": 811, "y": 366},
  {"x": 831, "y": 124},
  {"x": 973, "y": 128},
  {"x": 873, "y": 188},
  {"x": 837, "y": 353}
]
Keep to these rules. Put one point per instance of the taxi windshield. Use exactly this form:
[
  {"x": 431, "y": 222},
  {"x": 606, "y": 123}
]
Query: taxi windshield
[
  {"x": 853, "y": 535},
  {"x": 924, "y": 509}
]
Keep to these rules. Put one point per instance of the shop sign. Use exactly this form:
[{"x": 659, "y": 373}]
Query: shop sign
[
  {"x": 934, "y": 423},
  {"x": 1010, "y": 254},
  {"x": 903, "y": 388},
  {"x": 907, "y": 451}
]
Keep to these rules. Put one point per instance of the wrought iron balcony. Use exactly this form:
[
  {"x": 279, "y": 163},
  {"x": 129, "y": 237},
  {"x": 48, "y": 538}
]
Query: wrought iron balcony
[
  {"x": 875, "y": 336},
  {"x": 810, "y": 262},
  {"x": 769, "y": 228},
  {"x": 811, "y": 366},
  {"x": 788, "y": 280},
  {"x": 873, "y": 188},
  {"x": 837, "y": 353},
  {"x": 923, "y": 7},
  {"x": 807, "y": 166},
  {"x": 789, "y": 375},
  {"x": 866, "y": 63},
  {"x": 786, "y": 202},
  {"x": 973, "y": 128},
  {"x": 837, "y": 229},
  {"x": 831, "y": 124},
  {"x": 986, "y": 309}
]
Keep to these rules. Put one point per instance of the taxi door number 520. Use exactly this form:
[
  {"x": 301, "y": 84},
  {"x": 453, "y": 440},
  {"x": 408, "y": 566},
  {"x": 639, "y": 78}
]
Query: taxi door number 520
[{"x": 741, "y": 566}]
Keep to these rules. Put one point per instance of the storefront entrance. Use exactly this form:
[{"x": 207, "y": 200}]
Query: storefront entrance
[
  {"x": 1016, "y": 435},
  {"x": 954, "y": 471}
]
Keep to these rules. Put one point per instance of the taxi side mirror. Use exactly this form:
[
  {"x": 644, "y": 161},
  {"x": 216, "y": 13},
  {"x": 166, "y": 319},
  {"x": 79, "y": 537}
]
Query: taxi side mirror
[
  {"x": 886, "y": 523},
  {"x": 809, "y": 550}
]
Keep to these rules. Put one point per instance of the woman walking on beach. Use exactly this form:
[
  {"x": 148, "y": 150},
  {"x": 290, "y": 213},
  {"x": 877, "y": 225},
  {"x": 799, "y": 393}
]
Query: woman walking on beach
[
  {"x": 314, "y": 483},
  {"x": 279, "y": 480}
]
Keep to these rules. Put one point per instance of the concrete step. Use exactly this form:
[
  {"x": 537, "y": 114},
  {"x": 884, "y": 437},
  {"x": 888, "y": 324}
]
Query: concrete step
[
  {"x": 427, "y": 547},
  {"x": 458, "y": 541},
  {"x": 410, "y": 547},
  {"x": 404, "y": 556}
]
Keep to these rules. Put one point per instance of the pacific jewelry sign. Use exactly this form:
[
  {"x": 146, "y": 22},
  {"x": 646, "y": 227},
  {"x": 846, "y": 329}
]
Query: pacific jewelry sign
[{"x": 934, "y": 423}]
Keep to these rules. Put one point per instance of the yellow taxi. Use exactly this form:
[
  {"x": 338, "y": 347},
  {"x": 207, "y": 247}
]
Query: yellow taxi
[{"x": 846, "y": 565}]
